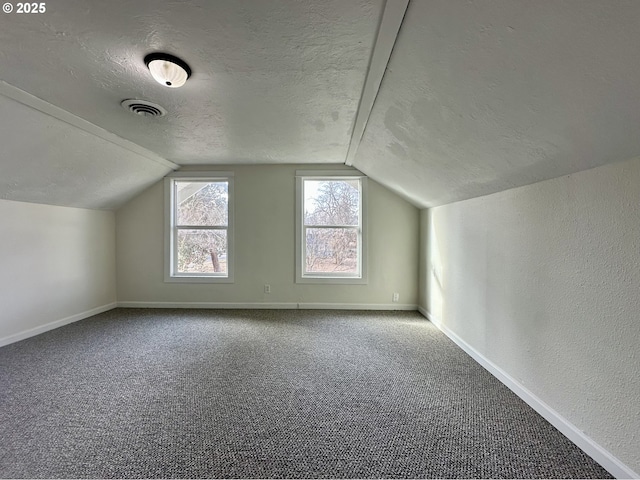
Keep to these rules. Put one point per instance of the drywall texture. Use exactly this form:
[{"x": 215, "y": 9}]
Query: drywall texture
[
  {"x": 272, "y": 82},
  {"x": 544, "y": 281},
  {"x": 57, "y": 262},
  {"x": 47, "y": 159},
  {"x": 264, "y": 249},
  {"x": 480, "y": 97}
]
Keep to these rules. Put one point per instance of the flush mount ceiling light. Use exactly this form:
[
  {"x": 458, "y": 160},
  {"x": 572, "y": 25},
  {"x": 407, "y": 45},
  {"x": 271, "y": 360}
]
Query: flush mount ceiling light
[{"x": 167, "y": 70}]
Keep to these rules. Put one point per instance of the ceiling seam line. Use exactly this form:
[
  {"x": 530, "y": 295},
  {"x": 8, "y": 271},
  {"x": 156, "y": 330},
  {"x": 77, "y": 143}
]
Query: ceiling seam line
[
  {"x": 386, "y": 37},
  {"x": 31, "y": 101}
]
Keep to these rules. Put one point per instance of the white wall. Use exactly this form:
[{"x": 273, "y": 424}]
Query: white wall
[
  {"x": 544, "y": 281},
  {"x": 264, "y": 250},
  {"x": 58, "y": 265}
]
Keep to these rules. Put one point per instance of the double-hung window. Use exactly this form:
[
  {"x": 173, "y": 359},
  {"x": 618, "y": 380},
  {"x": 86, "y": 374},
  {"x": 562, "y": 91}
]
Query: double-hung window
[
  {"x": 331, "y": 227},
  {"x": 199, "y": 227}
]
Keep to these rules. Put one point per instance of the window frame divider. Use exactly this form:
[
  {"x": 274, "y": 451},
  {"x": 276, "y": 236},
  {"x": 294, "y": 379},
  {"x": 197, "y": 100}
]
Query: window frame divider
[
  {"x": 171, "y": 227},
  {"x": 302, "y": 277}
]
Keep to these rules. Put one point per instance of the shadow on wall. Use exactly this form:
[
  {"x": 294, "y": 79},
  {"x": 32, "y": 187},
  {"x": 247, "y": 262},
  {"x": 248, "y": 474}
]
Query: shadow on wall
[{"x": 434, "y": 272}]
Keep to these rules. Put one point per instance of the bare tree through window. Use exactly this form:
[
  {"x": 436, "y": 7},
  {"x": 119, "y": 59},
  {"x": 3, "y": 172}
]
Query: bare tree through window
[
  {"x": 331, "y": 218},
  {"x": 202, "y": 220}
]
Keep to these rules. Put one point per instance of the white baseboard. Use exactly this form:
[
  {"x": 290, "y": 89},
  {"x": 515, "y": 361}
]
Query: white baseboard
[
  {"x": 58, "y": 323},
  {"x": 221, "y": 305},
  {"x": 357, "y": 306},
  {"x": 260, "y": 305},
  {"x": 605, "y": 458}
]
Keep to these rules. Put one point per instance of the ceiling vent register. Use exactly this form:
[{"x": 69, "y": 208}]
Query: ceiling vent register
[{"x": 143, "y": 108}]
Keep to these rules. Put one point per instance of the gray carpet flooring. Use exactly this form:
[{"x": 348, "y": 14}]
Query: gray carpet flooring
[{"x": 141, "y": 393}]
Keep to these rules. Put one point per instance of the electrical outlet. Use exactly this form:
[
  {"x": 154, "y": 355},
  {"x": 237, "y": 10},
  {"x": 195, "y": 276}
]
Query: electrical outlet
[
  {"x": 267, "y": 288},
  {"x": 396, "y": 297}
]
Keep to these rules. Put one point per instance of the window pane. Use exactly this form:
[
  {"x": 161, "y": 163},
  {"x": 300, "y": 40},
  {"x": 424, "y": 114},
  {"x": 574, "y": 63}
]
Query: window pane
[
  {"x": 331, "y": 202},
  {"x": 331, "y": 250},
  {"x": 202, "y": 203},
  {"x": 202, "y": 251}
]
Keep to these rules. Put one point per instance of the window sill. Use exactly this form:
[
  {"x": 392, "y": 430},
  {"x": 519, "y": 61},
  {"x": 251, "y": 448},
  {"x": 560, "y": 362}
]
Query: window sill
[
  {"x": 189, "y": 279},
  {"x": 333, "y": 280}
]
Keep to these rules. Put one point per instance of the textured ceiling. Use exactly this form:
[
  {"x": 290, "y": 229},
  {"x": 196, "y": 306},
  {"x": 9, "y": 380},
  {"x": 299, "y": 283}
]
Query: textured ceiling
[
  {"x": 57, "y": 159},
  {"x": 273, "y": 81},
  {"x": 477, "y": 97},
  {"x": 485, "y": 96}
]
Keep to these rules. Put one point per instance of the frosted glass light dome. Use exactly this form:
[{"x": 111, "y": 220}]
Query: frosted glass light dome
[{"x": 167, "y": 70}]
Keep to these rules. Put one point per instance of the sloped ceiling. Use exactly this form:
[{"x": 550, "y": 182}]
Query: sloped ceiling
[
  {"x": 485, "y": 96},
  {"x": 49, "y": 156},
  {"x": 477, "y": 97},
  {"x": 275, "y": 81}
]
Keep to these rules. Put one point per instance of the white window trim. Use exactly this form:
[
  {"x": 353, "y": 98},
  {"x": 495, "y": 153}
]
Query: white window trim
[
  {"x": 170, "y": 260},
  {"x": 335, "y": 278}
]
